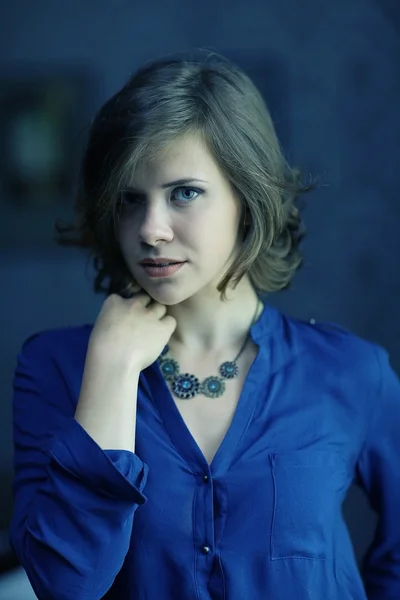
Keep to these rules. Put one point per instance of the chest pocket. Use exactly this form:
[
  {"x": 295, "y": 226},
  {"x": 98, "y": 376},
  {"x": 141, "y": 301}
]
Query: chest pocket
[{"x": 308, "y": 493}]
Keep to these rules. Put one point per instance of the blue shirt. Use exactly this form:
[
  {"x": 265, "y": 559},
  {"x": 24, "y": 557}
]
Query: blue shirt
[{"x": 320, "y": 408}]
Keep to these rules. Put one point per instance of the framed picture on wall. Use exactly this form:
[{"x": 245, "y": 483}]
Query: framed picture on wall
[{"x": 43, "y": 119}]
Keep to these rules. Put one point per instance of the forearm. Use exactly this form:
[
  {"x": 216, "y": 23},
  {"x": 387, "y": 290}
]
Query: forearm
[
  {"x": 73, "y": 539},
  {"x": 107, "y": 406}
]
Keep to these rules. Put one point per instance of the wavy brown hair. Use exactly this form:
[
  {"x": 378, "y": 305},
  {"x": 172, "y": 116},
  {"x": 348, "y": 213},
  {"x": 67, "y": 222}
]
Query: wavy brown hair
[{"x": 169, "y": 98}]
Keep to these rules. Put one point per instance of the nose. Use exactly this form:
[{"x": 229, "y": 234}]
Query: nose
[{"x": 155, "y": 226}]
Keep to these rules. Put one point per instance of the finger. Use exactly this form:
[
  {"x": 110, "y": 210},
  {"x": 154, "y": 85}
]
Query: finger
[
  {"x": 143, "y": 298},
  {"x": 170, "y": 322},
  {"x": 158, "y": 309}
]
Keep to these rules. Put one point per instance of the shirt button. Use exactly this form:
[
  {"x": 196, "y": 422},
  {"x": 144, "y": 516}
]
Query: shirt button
[
  {"x": 205, "y": 478},
  {"x": 205, "y": 549}
]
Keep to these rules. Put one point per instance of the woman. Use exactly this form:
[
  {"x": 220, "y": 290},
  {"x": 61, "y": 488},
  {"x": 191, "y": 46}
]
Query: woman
[{"x": 195, "y": 442}]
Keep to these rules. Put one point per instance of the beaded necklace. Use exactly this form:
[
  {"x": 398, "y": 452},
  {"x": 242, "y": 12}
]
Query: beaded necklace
[{"x": 186, "y": 385}]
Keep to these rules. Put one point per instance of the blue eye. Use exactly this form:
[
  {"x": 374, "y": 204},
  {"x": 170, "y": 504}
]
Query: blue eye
[
  {"x": 186, "y": 194},
  {"x": 181, "y": 195}
]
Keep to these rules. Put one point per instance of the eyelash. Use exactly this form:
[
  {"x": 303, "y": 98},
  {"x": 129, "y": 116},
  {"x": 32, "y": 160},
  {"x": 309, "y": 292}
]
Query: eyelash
[{"x": 136, "y": 199}]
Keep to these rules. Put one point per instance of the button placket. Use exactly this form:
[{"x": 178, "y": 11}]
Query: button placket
[{"x": 205, "y": 516}]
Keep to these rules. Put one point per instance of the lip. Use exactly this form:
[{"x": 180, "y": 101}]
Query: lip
[
  {"x": 159, "y": 261},
  {"x": 152, "y": 270}
]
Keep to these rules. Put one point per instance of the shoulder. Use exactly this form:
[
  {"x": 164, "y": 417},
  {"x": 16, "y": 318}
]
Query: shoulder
[
  {"x": 62, "y": 345},
  {"x": 332, "y": 345},
  {"x": 356, "y": 370},
  {"x": 49, "y": 371},
  {"x": 324, "y": 333},
  {"x": 60, "y": 337}
]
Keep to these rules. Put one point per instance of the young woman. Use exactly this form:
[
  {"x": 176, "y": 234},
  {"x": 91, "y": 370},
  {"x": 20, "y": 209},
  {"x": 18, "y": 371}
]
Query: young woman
[{"x": 195, "y": 442}]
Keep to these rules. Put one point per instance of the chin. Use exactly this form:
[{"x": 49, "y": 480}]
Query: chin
[
  {"x": 166, "y": 297},
  {"x": 170, "y": 292}
]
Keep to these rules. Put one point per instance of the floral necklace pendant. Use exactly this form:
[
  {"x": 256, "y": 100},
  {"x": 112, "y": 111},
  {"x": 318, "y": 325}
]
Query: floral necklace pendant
[{"x": 186, "y": 385}]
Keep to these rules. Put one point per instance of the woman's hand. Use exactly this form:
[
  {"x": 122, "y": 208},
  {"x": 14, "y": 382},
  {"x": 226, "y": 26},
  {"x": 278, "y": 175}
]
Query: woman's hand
[{"x": 130, "y": 333}]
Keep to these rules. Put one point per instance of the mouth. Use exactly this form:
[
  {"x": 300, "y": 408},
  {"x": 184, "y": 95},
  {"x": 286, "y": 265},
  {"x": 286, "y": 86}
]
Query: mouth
[
  {"x": 162, "y": 269},
  {"x": 160, "y": 264}
]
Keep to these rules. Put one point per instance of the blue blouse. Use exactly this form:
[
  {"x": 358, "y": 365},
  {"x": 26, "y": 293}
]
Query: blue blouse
[{"x": 320, "y": 408}]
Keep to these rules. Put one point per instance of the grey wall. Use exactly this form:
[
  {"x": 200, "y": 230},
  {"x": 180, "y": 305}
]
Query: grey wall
[{"x": 331, "y": 73}]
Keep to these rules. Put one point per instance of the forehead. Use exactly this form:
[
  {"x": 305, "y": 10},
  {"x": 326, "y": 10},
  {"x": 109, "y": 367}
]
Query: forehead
[{"x": 184, "y": 157}]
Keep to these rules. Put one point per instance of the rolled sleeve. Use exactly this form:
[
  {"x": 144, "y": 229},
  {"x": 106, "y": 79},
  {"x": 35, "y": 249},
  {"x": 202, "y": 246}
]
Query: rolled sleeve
[{"x": 118, "y": 474}]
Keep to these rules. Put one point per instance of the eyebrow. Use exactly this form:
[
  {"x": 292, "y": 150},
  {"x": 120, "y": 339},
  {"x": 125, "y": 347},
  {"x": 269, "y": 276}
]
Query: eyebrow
[
  {"x": 176, "y": 182},
  {"x": 182, "y": 182}
]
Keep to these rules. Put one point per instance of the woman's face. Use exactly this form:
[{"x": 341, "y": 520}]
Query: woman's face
[{"x": 182, "y": 208}]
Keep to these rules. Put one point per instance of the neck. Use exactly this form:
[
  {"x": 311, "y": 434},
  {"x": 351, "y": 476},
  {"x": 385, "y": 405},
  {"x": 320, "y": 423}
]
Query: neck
[{"x": 207, "y": 324}]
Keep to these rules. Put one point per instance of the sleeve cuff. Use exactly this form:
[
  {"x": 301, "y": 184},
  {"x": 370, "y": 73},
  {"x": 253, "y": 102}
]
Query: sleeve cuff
[{"x": 119, "y": 474}]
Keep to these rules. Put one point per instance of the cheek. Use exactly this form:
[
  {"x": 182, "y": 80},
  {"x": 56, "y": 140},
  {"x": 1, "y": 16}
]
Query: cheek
[
  {"x": 224, "y": 227},
  {"x": 126, "y": 241},
  {"x": 217, "y": 237}
]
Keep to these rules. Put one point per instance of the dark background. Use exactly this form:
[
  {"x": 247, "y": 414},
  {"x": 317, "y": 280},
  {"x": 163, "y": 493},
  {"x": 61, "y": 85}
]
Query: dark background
[{"x": 330, "y": 73}]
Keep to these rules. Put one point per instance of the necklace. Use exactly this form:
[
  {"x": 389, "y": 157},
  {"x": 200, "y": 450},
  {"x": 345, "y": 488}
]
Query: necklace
[{"x": 186, "y": 385}]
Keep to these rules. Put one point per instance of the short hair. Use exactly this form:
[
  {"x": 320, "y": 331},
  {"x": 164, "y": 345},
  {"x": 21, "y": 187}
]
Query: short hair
[{"x": 166, "y": 99}]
